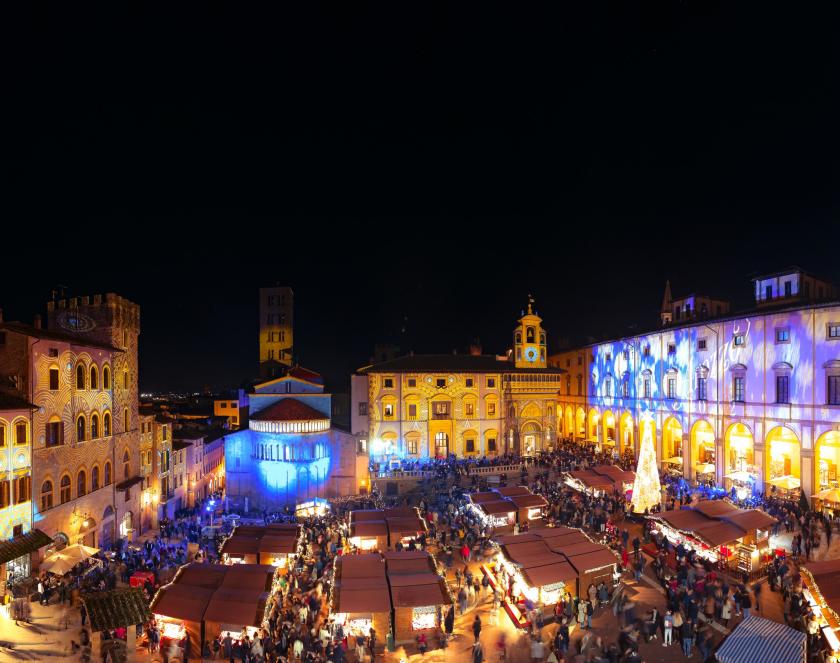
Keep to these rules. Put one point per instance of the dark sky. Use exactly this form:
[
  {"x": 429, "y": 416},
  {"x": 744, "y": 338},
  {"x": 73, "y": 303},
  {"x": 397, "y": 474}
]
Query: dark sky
[{"x": 431, "y": 162}]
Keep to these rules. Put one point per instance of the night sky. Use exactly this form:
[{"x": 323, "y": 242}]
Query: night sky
[{"x": 412, "y": 173}]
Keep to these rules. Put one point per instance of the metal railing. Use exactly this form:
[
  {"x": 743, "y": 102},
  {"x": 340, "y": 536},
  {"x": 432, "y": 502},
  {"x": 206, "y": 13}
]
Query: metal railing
[{"x": 474, "y": 470}]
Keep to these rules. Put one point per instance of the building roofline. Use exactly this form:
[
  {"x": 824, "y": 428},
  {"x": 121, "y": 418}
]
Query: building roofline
[
  {"x": 788, "y": 270},
  {"x": 738, "y": 315}
]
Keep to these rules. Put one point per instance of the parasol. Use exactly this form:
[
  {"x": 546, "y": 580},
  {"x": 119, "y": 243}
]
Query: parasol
[
  {"x": 59, "y": 563},
  {"x": 786, "y": 482}
]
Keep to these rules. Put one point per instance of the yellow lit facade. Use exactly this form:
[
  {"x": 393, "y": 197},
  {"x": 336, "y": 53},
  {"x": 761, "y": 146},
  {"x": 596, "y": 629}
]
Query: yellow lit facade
[{"x": 427, "y": 406}]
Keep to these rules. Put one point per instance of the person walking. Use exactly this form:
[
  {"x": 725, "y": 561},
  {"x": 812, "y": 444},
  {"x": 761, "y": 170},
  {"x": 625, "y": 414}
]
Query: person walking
[
  {"x": 476, "y": 627},
  {"x": 687, "y": 635},
  {"x": 668, "y": 620}
]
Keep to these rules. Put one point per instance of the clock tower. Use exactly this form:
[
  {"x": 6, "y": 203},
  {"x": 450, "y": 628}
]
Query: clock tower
[{"x": 529, "y": 349}]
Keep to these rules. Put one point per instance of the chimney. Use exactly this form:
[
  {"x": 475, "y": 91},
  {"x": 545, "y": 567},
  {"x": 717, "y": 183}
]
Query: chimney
[{"x": 37, "y": 321}]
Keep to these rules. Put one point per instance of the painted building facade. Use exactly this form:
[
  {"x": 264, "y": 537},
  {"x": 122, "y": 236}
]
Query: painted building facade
[
  {"x": 750, "y": 398},
  {"x": 428, "y": 406},
  {"x": 290, "y": 451},
  {"x": 81, "y": 373}
]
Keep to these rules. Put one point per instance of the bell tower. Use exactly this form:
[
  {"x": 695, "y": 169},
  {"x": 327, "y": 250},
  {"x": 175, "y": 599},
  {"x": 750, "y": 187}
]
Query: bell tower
[{"x": 529, "y": 349}]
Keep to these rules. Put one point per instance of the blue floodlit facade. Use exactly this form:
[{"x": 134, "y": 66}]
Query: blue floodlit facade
[{"x": 289, "y": 453}]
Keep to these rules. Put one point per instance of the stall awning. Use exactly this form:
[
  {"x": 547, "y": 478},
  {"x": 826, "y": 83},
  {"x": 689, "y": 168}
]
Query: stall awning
[
  {"x": 759, "y": 639},
  {"x": 184, "y": 602},
  {"x": 22, "y": 545},
  {"x": 593, "y": 560},
  {"x": 369, "y": 528},
  {"x": 548, "y": 574},
  {"x": 239, "y": 606},
  {"x": 418, "y": 589},
  {"x": 120, "y": 607}
]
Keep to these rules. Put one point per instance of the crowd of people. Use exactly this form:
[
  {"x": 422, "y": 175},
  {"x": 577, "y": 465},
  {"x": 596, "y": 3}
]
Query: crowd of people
[{"x": 299, "y": 628}]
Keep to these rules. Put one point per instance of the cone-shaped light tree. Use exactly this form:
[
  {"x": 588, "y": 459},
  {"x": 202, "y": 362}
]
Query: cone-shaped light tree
[{"x": 646, "y": 488}]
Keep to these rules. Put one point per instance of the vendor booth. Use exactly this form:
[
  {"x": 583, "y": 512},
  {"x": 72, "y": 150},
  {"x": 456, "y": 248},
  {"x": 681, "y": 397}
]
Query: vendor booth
[
  {"x": 360, "y": 596},
  {"x": 317, "y": 506},
  {"x": 759, "y": 639},
  {"x": 821, "y": 581},
  {"x": 419, "y": 596},
  {"x": 262, "y": 544},
  {"x": 540, "y": 567},
  {"x": 380, "y": 529},
  {"x": 736, "y": 539},
  {"x": 502, "y": 508},
  {"x": 827, "y": 501},
  {"x": 600, "y": 480},
  {"x": 204, "y": 600}
]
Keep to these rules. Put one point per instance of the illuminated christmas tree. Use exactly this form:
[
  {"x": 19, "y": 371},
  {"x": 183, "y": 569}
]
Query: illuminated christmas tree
[{"x": 646, "y": 488}]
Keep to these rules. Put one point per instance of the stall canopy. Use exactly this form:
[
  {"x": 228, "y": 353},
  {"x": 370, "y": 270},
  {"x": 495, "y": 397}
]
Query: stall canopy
[
  {"x": 759, "y": 639},
  {"x": 826, "y": 575},
  {"x": 549, "y": 555},
  {"x": 216, "y": 593},
  {"x": 395, "y": 523},
  {"x": 608, "y": 478},
  {"x": 119, "y": 607},
  {"x": 509, "y": 499},
  {"x": 715, "y": 522},
  {"x": 263, "y": 541},
  {"x": 374, "y": 583},
  {"x": 23, "y": 545}
]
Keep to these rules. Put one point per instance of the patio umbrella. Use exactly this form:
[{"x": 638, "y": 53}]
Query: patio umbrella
[
  {"x": 705, "y": 468},
  {"x": 59, "y": 563},
  {"x": 829, "y": 495},
  {"x": 674, "y": 460},
  {"x": 786, "y": 482},
  {"x": 80, "y": 552}
]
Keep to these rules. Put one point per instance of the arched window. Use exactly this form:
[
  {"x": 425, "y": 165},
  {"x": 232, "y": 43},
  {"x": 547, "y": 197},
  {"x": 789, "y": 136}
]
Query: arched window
[
  {"x": 81, "y": 483},
  {"x": 94, "y": 478},
  {"x": 80, "y": 428},
  {"x": 106, "y": 424},
  {"x": 106, "y": 474},
  {"x": 106, "y": 377},
  {"x": 519, "y": 337},
  {"x": 126, "y": 464},
  {"x": 126, "y": 421},
  {"x": 65, "y": 488},
  {"x": 80, "y": 376},
  {"x": 94, "y": 426},
  {"x": 46, "y": 496},
  {"x": 94, "y": 377}
]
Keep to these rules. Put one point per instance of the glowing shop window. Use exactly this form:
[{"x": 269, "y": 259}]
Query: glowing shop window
[
  {"x": 534, "y": 513},
  {"x": 171, "y": 630},
  {"x": 423, "y": 617}
]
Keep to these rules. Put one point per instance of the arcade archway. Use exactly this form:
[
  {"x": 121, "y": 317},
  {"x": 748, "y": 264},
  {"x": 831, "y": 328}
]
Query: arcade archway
[
  {"x": 580, "y": 424},
  {"x": 625, "y": 433},
  {"x": 592, "y": 425},
  {"x": 782, "y": 459},
  {"x": 739, "y": 453},
  {"x": 828, "y": 460},
  {"x": 703, "y": 448},
  {"x": 672, "y": 452}
]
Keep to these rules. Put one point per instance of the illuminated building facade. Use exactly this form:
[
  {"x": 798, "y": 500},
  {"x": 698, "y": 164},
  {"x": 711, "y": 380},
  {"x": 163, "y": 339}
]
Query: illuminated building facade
[
  {"x": 290, "y": 451},
  {"x": 276, "y": 330},
  {"x": 428, "y": 406},
  {"x": 15, "y": 476},
  {"x": 235, "y": 409},
  {"x": 752, "y": 399},
  {"x": 81, "y": 374}
]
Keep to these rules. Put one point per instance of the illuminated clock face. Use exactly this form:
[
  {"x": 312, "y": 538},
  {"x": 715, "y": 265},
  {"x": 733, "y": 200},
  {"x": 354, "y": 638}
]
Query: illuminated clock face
[
  {"x": 75, "y": 321},
  {"x": 531, "y": 354}
]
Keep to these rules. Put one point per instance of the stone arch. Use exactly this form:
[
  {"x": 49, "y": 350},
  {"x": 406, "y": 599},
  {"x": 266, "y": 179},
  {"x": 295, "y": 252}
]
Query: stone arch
[{"x": 782, "y": 459}]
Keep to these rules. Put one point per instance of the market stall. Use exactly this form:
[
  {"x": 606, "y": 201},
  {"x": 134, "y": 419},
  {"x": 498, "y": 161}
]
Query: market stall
[
  {"x": 759, "y": 639},
  {"x": 419, "y": 595},
  {"x": 827, "y": 501},
  {"x": 502, "y": 508},
  {"x": 140, "y": 578},
  {"x": 529, "y": 509},
  {"x": 317, "y": 506},
  {"x": 205, "y": 599},
  {"x": 405, "y": 525},
  {"x": 380, "y": 529},
  {"x": 600, "y": 480},
  {"x": 540, "y": 567},
  {"x": 738, "y": 539},
  {"x": 360, "y": 596},
  {"x": 120, "y": 608},
  {"x": 262, "y": 544},
  {"x": 821, "y": 581}
]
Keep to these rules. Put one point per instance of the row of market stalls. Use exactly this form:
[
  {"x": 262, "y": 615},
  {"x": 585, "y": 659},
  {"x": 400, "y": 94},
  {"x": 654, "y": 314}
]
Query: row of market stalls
[
  {"x": 502, "y": 508},
  {"x": 381, "y": 529},
  {"x": 720, "y": 532},
  {"x": 543, "y": 565},
  {"x": 821, "y": 588},
  {"x": 206, "y": 600},
  {"x": 398, "y": 592},
  {"x": 600, "y": 480},
  {"x": 270, "y": 544}
]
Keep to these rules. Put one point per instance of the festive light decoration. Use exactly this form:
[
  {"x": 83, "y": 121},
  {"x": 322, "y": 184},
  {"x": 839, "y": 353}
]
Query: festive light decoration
[{"x": 646, "y": 488}]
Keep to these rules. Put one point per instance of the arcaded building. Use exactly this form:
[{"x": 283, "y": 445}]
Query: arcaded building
[
  {"x": 470, "y": 405},
  {"x": 750, "y": 398}
]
